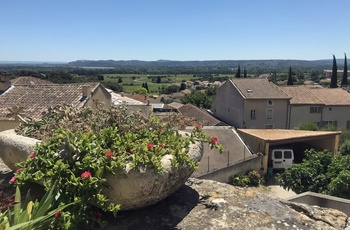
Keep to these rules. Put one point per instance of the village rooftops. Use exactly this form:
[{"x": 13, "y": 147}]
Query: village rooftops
[
  {"x": 258, "y": 89},
  {"x": 36, "y": 98},
  {"x": 201, "y": 116},
  {"x": 317, "y": 96}
]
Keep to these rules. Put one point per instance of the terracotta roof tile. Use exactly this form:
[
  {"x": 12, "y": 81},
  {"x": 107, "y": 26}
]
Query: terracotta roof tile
[
  {"x": 254, "y": 88},
  {"x": 300, "y": 95},
  {"x": 35, "y": 99},
  {"x": 200, "y": 115},
  {"x": 29, "y": 80}
]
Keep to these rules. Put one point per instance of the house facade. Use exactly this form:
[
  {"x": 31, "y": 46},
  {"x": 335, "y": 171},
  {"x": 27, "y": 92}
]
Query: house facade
[
  {"x": 251, "y": 103},
  {"x": 323, "y": 106},
  {"x": 34, "y": 98}
]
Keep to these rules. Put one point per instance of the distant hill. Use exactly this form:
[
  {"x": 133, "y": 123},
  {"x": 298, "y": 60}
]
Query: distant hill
[{"x": 213, "y": 63}]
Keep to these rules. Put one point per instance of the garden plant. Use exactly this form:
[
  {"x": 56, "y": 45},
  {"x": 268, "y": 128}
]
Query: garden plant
[{"x": 80, "y": 146}]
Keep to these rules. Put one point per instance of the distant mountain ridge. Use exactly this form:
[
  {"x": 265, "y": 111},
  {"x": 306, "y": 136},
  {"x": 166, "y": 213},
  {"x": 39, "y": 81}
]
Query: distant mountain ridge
[{"x": 209, "y": 63}]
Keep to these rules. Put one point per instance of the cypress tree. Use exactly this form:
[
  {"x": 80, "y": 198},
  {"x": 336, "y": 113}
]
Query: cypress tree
[
  {"x": 238, "y": 74},
  {"x": 290, "y": 78},
  {"x": 344, "y": 80},
  {"x": 244, "y": 73},
  {"x": 334, "y": 74}
]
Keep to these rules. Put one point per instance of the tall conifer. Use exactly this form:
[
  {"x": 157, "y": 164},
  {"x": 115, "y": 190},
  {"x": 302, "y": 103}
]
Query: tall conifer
[
  {"x": 238, "y": 74},
  {"x": 344, "y": 80},
  {"x": 334, "y": 74},
  {"x": 290, "y": 78}
]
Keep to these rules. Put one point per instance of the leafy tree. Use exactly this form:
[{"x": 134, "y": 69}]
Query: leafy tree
[
  {"x": 159, "y": 80},
  {"x": 120, "y": 80},
  {"x": 334, "y": 74},
  {"x": 290, "y": 78},
  {"x": 344, "y": 81},
  {"x": 142, "y": 91},
  {"x": 171, "y": 89},
  {"x": 310, "y": 175},
  {"x": 319, "y": 172},
  {"x": 100, "y": 77},
  {"x": 198, "y": 99},
  {"x": 238, "y": 74},
  {"x": 312, "y": 126}
]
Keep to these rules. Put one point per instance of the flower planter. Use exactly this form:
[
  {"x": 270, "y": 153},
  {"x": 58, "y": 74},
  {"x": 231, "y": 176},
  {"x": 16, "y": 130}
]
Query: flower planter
[{"x": 132, "y": 188}]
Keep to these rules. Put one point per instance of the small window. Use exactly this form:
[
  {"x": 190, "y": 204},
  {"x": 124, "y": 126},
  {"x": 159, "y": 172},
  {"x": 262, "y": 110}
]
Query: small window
[
  {"x": 287, "y": 154},
  {"x": 269, "y": 114},
  {"x": 315, "y": 109},
  {"x": 278, "y": 154},
  {"x": 270, "y": 102},
  {"x": 252, "y": 114},
  {"x": 348, "y": 125}
]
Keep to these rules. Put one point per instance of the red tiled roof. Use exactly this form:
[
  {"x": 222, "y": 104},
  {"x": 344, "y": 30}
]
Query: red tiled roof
[
  {"x": 300, "y": 95},
  {"x": 200, "y": 115},
  {"x": 35, "y": 99}
]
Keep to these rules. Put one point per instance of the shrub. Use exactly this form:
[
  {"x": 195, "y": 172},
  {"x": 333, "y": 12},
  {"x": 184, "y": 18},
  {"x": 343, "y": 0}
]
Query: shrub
[
  {"x": 252, "y": 178},
  {"x": 81, "y": 146}
]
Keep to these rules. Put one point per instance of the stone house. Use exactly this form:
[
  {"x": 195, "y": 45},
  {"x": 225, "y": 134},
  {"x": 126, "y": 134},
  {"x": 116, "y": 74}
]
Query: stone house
[
  {"x": 33, "y": 96},
  {"x": 251, "y": 103},
  {"x": 323, "y": 106}
]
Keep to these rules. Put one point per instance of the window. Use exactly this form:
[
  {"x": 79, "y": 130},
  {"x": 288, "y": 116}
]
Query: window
[
  {"x": 348, "y": 125},
  {"x": 252, "y": 114},
  {"x": 315, "y": 109},
  {"x": 278, "y": 154},
  {"x": 270, "y": 102},
  {"x": 268, "y": 126},
  {"x": 269, "y": 114},
  {"x": 288, "y": 154}
]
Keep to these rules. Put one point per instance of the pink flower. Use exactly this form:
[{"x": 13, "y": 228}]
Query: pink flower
[
  {"x": 150, "y": 145},
  {"x": 32, "y": 155},
  {"x": 109, "y": 154},
  {"x": 214, "y": 140},
  {"x": 198, "y": 127},
  {"x": 161, "y": 144},
  {"x": 18, "y": 170},
  {"x": 130, "y": 150},
  {"x": 98, "y": 215},
  {"x": 58, "y": 214},
  {"x": 86, "y": 174},
  {"x": 13, "y": 180}
]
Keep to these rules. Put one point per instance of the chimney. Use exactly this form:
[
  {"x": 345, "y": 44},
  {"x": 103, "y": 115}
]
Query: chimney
[
  {"x": 5, "y": 82},
  {"x": 86, "y": 91}
]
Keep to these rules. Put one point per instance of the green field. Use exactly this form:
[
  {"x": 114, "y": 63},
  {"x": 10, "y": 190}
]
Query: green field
[{"x": 131, "y": 82}]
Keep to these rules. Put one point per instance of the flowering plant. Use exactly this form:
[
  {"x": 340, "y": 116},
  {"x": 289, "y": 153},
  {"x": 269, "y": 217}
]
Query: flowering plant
[{"x": 77, "y": 159}]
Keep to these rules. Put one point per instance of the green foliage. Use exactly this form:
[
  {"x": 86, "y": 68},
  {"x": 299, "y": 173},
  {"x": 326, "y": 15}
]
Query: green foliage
[
  {"x": 142, "y": 91},
  {"x": 35, "y": 215},
  {"x": 319, "y": 172},
  {"x": 312, "y": 126},
  {"x": 344, "y": 148},
  {"x": 334, "y": 78},
  {"x": 88, "y": 144},
  {"x": 198, "y": 99},
  {"x": 252, "y": 178}
]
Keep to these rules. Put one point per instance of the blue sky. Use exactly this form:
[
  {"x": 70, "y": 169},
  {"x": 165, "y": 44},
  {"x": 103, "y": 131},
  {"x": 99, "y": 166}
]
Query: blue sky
[{"x": 68, "y": 30}]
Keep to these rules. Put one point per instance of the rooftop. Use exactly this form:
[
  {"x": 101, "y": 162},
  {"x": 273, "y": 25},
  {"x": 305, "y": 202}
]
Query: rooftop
[{"x": 258, "y": 88}]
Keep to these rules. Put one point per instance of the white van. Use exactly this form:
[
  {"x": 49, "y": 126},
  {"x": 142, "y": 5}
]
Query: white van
[{"x": 282, "y": 158}]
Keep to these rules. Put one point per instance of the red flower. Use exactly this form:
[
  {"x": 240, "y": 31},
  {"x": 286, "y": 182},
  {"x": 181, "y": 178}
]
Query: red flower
[
  {"x": 32, "y": 155},
  {"x": 109, "y": 154},
  {"x": 161, "y": 144},
  {"x": 98, "y": 215},
  {"x": 58, "y": 214},
  {"x": 160, "y": 130},
  {"x": 150, "y": 145},
  {"x": 130, "y": 150},
  {"x": 13, "y": 180},
  {"x": 198, "y": 127},
  {"x": 86, "y": 174},
  {"x": 214, "y": 140},
  {"x": 18, "y": 170}
]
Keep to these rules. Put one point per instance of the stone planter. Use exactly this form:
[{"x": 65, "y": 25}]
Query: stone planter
[{"x": 132, "y": 188}]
